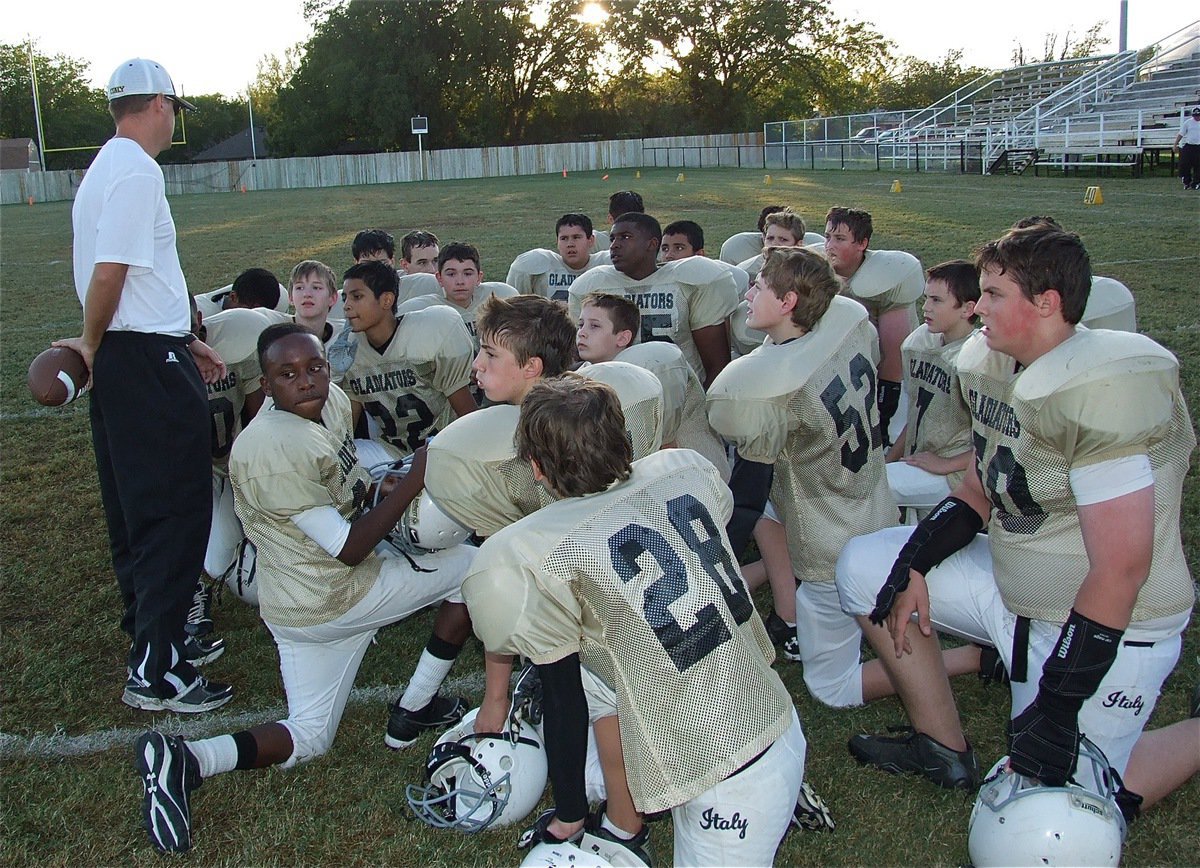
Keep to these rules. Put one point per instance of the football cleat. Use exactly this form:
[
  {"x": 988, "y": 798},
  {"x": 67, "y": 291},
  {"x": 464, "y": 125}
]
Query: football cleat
[
  {"x": 783, "y": 636},
  {"x": 916, "y": 752},
  {"x": 405, "y": 727},
  {"x": 169, "y": 774},
  {"x": 811, "y": 814}
]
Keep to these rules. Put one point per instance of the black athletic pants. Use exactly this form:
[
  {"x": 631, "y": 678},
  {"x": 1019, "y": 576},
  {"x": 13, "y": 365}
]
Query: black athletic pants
[
  {"x": 1189, "y": 164},
  {"x": 150, "y": 431}
]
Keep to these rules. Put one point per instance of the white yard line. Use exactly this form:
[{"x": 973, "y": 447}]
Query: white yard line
[{"x": 59, "y": 744}]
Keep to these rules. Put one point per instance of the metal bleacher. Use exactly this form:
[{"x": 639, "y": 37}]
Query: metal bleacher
[{"x": 1105, "y": 113}]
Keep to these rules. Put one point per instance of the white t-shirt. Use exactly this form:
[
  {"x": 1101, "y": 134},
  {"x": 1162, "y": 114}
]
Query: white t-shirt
[
  {"x": 1190, "y": 130},
  {"x": 121, "y": 215}
]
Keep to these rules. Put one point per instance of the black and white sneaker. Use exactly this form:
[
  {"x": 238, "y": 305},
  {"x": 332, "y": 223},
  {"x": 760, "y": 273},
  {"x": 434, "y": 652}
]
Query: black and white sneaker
[
  {"x": 783, "y": 636},
  {"x": 811, "y": 814},
  {"x": 199, "y": 651},
  {"x": 199, "y": 618},
  {"x": 169, "y": 774},
  {"x": 633, "y": 852},
  {"x": 405, "y": 727},
  {"x": 202, "y": 695}
]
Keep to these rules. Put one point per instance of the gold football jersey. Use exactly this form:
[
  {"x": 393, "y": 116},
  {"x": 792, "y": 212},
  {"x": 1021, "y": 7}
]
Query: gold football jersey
[
  {"x": 470, "y": 313},
  {"x": 210, "y": 303},
  {"x": 938, "y": 419},
  {"x": 283, "y": 465},
  {"x": 677, "y": 299},
  {"x": 808, "y": 406},
  {"x": 740, "y": 247},
  {"x": 406, "y": 386},
  {"x": 234, "y": 335},
  {"x": 1097, "y": 396},
  {"x": 1110, "y": 306},
  {"x": 473, "y": 473},
  {"x": 685, "y": 417},
  {"x": 887, "y": 280},
  {"x": 415, "y": 285},
  {"x": 543, "y": 272},
  {"x": 639, "y": 580}
]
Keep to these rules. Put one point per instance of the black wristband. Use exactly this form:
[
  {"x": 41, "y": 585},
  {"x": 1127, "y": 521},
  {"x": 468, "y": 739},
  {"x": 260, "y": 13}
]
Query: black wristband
[
  {"x": 949, "y": 527},
  {"x": 888, "y": 401},
  {"x": 1084, "y": 653}
]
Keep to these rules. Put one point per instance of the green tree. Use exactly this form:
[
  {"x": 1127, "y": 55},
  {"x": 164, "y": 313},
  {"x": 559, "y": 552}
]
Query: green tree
[
  {"x": 274, "y": 74},
  {"x": 921, "y": 82},
  {"x": 74, "y": 114},
  {"x": 742, "y": 61},
  {"x": 481, "y": 71}
]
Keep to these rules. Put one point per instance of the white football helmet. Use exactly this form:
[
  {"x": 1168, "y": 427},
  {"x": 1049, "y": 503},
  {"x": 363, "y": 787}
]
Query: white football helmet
[
  {"x": 239, "y": 579},
  {"x": 564, "y": 855},
  {"x": 1019, "y": 821},
  {"x": 425, "y": 526},
  {"x": 473, "y": 781}
]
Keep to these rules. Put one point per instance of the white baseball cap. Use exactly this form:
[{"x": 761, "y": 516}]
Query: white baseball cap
[{"x": 141, "y": 76}]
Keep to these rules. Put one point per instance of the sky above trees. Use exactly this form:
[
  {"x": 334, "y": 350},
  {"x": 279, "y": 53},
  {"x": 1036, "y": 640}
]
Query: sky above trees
[{"x": 216, "y": 48}]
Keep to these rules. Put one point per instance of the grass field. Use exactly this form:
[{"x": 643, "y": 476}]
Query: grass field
[{"x": 69, "y": 795}]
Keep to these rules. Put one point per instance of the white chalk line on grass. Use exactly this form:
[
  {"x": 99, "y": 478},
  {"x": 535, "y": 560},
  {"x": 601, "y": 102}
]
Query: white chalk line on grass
[
  {"x": 58, "y": 744},
  {"x": 43, "y": 412},
  {"x": 1143, "y": 261}
]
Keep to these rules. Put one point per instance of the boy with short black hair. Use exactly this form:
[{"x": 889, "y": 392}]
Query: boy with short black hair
[
  {"x": 323, "y": 591},
  {"x": 934, "y": 449},
  {"x": 688, "y": 301},
  {"x": 682, "y": 239},
  {"x": 410, "y": 373},
  {"x": 254, "y": 288},
  {"x": 373, "y": 244},
  {"x": 550, "y": 273}
]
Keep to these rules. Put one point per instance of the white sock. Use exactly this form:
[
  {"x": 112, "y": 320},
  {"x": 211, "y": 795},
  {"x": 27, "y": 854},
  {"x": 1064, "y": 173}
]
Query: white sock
[
  {"x": 611, "y": 827},
  {"x": 430, "y": 673},
  {"x": 215, "y": 755}
]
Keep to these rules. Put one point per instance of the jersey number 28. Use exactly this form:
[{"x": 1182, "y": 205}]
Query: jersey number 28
[{"x": 685, "y": 646}]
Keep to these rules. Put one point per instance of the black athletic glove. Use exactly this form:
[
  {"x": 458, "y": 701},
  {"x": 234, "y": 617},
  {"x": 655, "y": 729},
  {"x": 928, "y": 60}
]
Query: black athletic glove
[
  {"x": 1043, "y": 740},
  {"x": 949, "y": 527},
  {"x": 888, "y": 401}
]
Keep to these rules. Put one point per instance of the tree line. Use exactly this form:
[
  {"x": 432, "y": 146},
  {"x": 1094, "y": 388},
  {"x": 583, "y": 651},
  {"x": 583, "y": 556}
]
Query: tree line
[{"x": 517, "y": 72}]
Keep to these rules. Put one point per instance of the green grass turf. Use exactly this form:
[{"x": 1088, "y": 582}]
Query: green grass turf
[{"x": 62, "y": 654}]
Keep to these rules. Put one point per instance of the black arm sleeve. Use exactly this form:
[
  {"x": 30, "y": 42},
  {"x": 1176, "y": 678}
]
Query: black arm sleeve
[
  {"x": 750, "y": 483},
  {"x": 888, "y": 402},
  {"x": 950, "y": 527},
  {"x": 566, "y": 725}
]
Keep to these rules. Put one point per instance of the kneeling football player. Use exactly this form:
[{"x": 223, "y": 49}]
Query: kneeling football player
[
  {"x": 323, "y": 591},
  {"x": 629, "y": 574}
]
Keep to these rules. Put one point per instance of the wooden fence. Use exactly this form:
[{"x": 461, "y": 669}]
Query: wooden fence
[{"x": 391, "y": 168}]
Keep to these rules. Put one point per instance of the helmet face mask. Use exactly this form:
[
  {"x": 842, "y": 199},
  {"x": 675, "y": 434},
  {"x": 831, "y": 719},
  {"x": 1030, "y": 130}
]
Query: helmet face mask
[
  {"x": 1019, "y": 821},
  {"x": 477, "y": 780}
]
